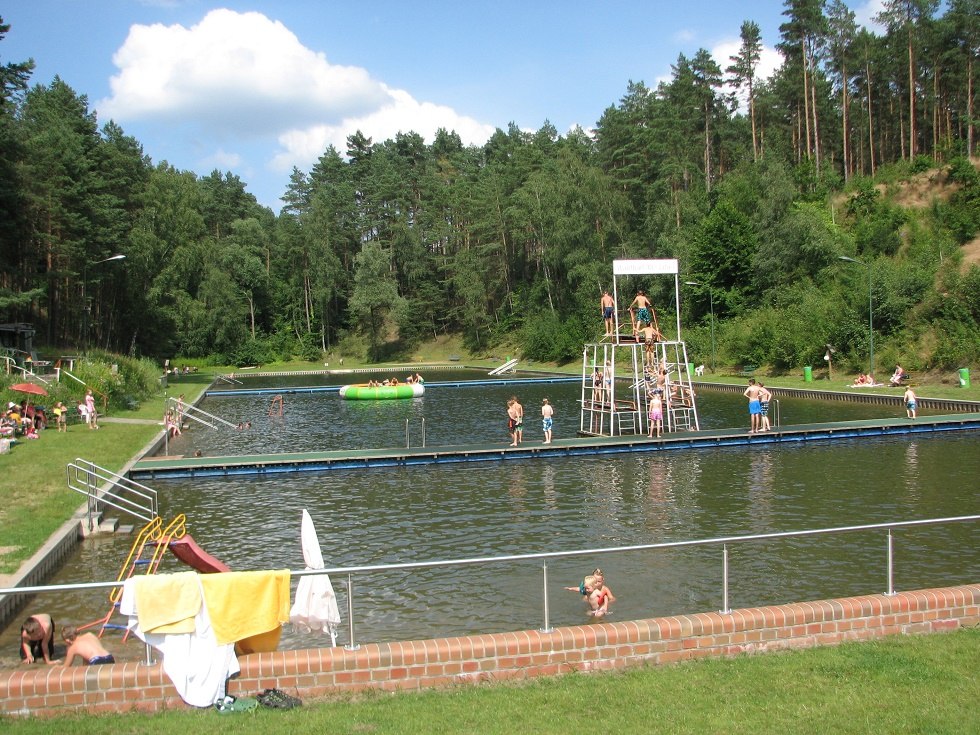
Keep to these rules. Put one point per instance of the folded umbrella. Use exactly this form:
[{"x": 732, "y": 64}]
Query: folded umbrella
[{"x": 315, "y": 607}]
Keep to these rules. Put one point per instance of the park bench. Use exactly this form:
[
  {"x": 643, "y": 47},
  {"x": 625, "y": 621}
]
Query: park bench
[{"x": 747, "y": 371}]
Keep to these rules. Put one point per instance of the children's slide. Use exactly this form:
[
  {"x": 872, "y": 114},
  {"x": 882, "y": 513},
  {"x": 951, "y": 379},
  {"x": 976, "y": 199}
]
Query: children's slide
[{"x": 187, "y": 550}]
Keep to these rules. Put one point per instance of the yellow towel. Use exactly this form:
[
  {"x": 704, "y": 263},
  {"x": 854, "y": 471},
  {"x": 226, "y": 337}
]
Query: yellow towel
[
  {"x": 243, "y": 604},
  {"x": 167, "y": 603}
]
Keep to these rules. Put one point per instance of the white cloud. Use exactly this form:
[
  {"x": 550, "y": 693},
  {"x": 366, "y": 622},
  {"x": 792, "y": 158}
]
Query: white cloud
[
  {"x": 234, "y": 74},
  {"x": 865, "y": 12},
  {"x": 302, "y": 146},
  {"x": 769, "y": 62},
  {"x": 222, "y": 160},
  {"x": 235, "y": 77},
  {"x": 685, "y": 36}
]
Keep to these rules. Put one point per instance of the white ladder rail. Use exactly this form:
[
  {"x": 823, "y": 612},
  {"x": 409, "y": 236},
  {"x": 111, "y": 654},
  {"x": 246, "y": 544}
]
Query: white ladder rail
[{"x": 106, "y": 488}]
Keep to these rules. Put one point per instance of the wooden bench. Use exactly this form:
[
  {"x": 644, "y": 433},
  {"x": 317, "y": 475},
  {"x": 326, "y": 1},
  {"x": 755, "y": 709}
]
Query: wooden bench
[{"x": 747, "y": 371}]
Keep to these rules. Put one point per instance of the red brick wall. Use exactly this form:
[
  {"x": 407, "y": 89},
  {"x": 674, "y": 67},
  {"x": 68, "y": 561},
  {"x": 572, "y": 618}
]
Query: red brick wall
[{"x": 47, "y": 690}]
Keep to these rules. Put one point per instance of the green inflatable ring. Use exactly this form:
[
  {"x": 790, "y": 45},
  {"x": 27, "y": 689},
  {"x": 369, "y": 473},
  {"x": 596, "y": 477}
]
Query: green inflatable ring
[{"x": 364, "y": 392}]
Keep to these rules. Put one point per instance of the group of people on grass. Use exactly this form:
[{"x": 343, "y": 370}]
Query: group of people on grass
[
  {"x": 37, "y": 643},
  {"x": 28, "y": 420}
]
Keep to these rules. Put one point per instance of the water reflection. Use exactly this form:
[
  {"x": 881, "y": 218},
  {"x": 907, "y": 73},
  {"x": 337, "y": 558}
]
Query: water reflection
[{"x": 390, "y": 515}]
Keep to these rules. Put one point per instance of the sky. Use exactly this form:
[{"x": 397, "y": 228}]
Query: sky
[{"x": 258, "y": 88}]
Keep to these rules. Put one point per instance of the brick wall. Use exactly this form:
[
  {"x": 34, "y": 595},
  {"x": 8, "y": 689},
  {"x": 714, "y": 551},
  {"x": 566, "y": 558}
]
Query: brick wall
[{"x": 47, "y": 690}]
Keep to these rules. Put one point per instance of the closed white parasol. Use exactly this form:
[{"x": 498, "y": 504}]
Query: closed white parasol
[{"x": 315, "y": 607}]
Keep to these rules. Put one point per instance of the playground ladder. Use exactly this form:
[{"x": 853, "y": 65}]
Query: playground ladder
[
  {"x": 680, "y": 407},
  {"x": 155, "y": 536}
]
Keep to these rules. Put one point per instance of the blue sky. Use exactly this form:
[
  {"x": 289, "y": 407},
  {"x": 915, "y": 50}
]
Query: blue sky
[{"x": 258, "y": 87}]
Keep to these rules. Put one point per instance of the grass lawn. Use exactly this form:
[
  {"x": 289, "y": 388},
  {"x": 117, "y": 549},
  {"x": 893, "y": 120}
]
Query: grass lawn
[
  {"x": 37, "y": 500},
  {"x": 915, "y": 684}
]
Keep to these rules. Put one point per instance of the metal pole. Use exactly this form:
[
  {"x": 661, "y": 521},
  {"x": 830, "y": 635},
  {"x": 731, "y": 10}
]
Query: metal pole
[
  {"x": 711, "y": 307},
  {"x": 547, "y": 618},
  {"x": 725, "y": 610},
  {"x": 423, "y": 431},
  {"x": 890, "y": 587},
  {"x": 351, "y": 646},
  {"x": 871, "y": 327},
  {"x": 408, "y": 441}
]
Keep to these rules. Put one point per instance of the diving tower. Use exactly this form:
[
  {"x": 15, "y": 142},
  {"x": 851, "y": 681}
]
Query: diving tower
[{"x": 622, "y": 372}]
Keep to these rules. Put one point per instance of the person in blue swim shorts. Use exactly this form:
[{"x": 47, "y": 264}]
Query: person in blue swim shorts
[
  {"x": 909, "y": 399},
  {"x": 547, "y": 419},
  {"x": 755, "y": 406}
]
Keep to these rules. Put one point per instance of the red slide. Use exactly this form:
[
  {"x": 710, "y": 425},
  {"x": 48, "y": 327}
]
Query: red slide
[{"x": 187, "y": 550}]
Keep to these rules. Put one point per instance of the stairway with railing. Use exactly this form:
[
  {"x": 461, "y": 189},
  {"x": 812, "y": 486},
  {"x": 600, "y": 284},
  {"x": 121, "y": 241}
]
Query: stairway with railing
[
  {"x": 193, "y": 413},
  {"x": 106, "y": 489}
]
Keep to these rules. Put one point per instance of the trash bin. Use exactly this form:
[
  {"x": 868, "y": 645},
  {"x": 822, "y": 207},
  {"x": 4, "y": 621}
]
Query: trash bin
[
  {"x": 808, "y": 374},
  {"x": 964, "y": 377},
  {"x": 690, "y": 369}
]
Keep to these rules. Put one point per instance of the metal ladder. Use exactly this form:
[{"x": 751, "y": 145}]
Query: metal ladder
[
  {"x": 105, "y": 488},
  {"x": 680, "y": 406},
  {"x": 189, "y": 411}
]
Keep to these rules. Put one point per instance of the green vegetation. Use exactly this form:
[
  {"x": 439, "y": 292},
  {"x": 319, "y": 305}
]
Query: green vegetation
[
  {"x": 912, "y": 684},
  {"x": 388, "y": 244}
]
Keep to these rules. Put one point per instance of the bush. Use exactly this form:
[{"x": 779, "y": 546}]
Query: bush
[
  {"x": 253, "y": 352},
  {"x": 549, "y": 339}
]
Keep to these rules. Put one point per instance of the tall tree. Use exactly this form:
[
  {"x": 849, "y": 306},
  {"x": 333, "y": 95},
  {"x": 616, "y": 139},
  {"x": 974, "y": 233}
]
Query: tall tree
[
  {"x": 375, "y": 297},
  {"x": 842, "y": 33},
  {"x": 16, "y": 292},
  {"x": 742, "y": 72},
  {"x": 906, "y": 17},
  {"x": 964, "y": 19},
  {"x": 802, "y": 35}
]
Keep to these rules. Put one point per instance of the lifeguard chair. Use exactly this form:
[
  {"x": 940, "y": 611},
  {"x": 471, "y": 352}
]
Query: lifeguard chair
[{"x": 620, "y": 373}]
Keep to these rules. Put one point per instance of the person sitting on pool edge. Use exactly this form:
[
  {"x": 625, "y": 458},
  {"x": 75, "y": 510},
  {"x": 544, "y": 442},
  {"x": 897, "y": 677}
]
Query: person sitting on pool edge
[{"x": 86, "y": 646}]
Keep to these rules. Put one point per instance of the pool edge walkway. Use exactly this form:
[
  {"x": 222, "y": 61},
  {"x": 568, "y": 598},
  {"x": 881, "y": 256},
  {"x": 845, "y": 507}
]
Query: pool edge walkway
[{"x": 173, "y": 467}]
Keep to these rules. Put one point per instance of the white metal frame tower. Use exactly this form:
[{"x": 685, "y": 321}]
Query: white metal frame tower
[{"x": 620, "y": 373}]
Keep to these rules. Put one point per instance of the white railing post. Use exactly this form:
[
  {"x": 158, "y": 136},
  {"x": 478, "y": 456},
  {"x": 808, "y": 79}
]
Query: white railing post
[
  {"x": 889, "y": 586},
  {"x": 351, "y": 645},
  {"x": 725, "y": 610},
  {"x": 544, "y": 576}
]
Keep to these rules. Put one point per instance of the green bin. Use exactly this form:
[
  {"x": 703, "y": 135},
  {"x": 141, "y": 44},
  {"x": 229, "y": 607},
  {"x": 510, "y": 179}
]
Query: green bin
[
  {"x": 807, "y": 374},
  {"x": 964, "y": 377},
  {"x": 690, "y": 369}
]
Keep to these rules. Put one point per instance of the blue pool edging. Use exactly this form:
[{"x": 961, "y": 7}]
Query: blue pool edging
[{"x": 147, "y": 469}]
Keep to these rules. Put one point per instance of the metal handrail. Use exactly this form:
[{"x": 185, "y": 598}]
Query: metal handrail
[
  {"x": 190, "y": 411},
  {"x": 102, "y": 487},
  {"x": 724, "y": 541}
]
